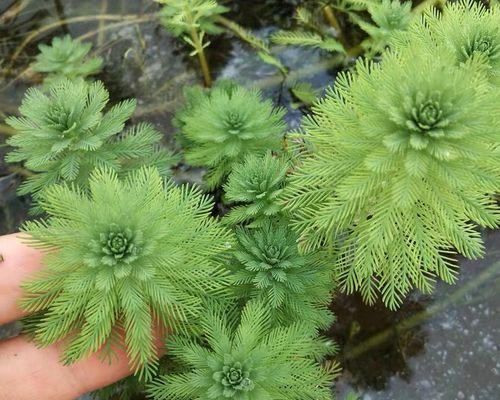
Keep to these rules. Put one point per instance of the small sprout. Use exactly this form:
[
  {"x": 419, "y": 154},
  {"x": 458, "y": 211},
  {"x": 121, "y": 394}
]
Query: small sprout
[
  {"x": 257, "y": 183},
  {"x": 66, "y": 58},
  {"x": 305, "y": 93},
  {"x": 312, "y": 32},
  {"x": 267, "y": 266},
  {"x": 192, "y": 20}
]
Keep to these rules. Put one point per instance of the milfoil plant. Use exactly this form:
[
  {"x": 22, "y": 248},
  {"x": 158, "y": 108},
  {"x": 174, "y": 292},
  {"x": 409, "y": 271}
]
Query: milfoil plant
[
  {"x": 220, "y": 127},
  {"x": 255, "y": 186},
  {"x": 312, "y": 30},
  {"x": 404, "y": 167},
  {"x": 245, "y": 358},
  {"x": 65, "y": 132},
  {"x": 131, "y": 256},
  {"x": 389, "y": 18},
  {"x": 476, "y": 42},
  {"x": 268, "y": 267},
  {"x": 192, "y": 20},
  {"x": 67, "y": 58}
]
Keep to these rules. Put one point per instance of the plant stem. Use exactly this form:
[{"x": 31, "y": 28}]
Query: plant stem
[
  {"x": 334, "y": 23},
  {"x": 205, "y": 69},
  {"x": 425, "y": 4},
  {"x": 21, "y": 171},
  {"x": 102, "y": 23},
  {"x": 6, "y": 130}
]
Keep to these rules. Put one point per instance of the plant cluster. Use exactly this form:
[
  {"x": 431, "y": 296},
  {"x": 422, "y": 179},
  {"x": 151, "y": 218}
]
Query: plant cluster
[
  {"x": 318, "y": 25},
  {"x": 245, "y": 358},
  {"x": 268, "y": 267},
  {"x": 477, "y": 42},
  {"x": 389, "y": 18},
  {"x": 392, "y": 174}
]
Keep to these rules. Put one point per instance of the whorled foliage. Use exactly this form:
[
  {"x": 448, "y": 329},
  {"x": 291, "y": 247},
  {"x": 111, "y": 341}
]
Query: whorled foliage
[
  {"x": 477, "y": 40},
  {"x": 246, "y": 361},
  {"x": 131, "y": 255},
  {"x": 222, "y": 126},
  {"x": 63, "y": 134},
  {"x": 267, "y": 266},
  {"x": 405, "y": 164},
  {"x": 311, "y": 31},
  {"x": 66, "y": 58},
  {"x": 181, "y": 16},
  {"x": 255, "y": 185},
  {"x": 390, "y": 17}
]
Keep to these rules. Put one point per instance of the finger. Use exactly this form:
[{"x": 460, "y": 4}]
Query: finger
[
  {"x": 19, "y": 262},
  {"x": 27, "y": 372}
]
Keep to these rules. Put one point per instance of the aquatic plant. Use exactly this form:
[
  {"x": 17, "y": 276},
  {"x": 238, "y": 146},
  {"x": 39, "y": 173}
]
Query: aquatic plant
[
  {"x": 220, "y": 127},
  {"x": 477, "y": 41},
  {"x": 63, "y": 134},
  {"x": 316, "y": 21},
  {"x": 130, "y": 255},
  {"x": 404, "y": 164},
  {"x": 312, "y": 32},
  {"x": 305, "y": 93},
  {"x": 261, "y": 46},
  {"x": 268, "y": 267},
  {"x": 394, "y": 174},
  {"x": 388, "y": 18},
  {"x": 66, "y": 58},
  {"x": 192, "y": 20},
  {"x": 256, "y": 184},
  {"x": 249, "y": 360}
]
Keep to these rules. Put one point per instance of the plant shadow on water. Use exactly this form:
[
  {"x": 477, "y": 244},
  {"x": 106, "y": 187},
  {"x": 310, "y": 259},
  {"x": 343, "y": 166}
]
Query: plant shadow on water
[{"x": 436, "y": 347}]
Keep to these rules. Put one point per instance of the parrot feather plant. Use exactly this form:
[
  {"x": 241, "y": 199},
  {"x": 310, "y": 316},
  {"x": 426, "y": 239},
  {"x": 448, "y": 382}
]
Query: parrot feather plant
[
  {"x": 268, "y": 267},
  {"x": 388, "y": 19},
  {"x": 477, "y": 41},
  {"x": 66, "y": 58},
  {"x": 64, "y": 133},
  {"x": 404, "y": 167},
  {"x": 219, "y": 127},
  {"x": 131, "y": 255},
  {"x": 255, "y": 185},
  {"x": 249, "y": 359},
  {"x": 191, "y": 20}
]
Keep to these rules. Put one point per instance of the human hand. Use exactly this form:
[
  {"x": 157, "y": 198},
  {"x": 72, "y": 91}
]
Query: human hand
[{"x": 30, "y": 373}]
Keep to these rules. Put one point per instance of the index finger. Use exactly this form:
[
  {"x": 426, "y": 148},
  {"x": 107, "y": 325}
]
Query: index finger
[{"x": 19, "y": 262}]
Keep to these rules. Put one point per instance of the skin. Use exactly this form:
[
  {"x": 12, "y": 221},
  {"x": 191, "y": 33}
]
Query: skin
[{"x": 27, "y": 372}]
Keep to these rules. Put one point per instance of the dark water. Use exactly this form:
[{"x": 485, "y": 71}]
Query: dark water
[{"x": 439, "y": 347}]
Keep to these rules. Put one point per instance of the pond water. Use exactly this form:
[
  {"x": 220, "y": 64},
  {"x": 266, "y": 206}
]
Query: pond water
[{"x": 438, "y": 347}]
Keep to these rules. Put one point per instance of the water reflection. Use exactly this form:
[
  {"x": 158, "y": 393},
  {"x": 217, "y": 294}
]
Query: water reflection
[{"x": 439, "y": 347}]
